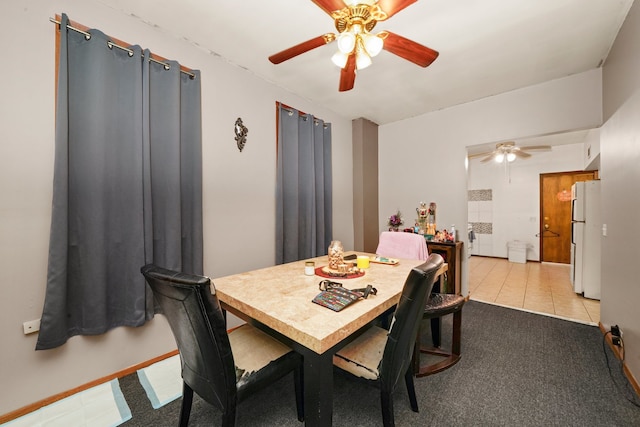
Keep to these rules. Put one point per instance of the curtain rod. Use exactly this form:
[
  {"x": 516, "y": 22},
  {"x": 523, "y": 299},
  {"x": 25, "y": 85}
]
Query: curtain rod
[
  {"x": 111, "y": 45},
  {"x": 290, "y": 110}
]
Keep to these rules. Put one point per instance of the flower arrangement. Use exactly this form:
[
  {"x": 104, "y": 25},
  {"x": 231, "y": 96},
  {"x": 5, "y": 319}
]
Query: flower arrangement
[{"x": 395, "y": 220}]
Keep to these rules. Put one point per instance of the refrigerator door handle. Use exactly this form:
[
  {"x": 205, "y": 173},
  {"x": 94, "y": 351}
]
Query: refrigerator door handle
[
  {"x": 573, "y": 223},
  {"x": 573, "y": 209},
  {"x": 573, "y": 242}
]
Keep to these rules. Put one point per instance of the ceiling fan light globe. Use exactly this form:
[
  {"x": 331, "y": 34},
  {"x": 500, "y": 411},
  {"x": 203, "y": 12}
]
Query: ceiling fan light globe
[
  {"x": 346, "y": 42},
  {"x": 362, "y": 60},
  {"x": 372, "y": 44},
  {"x": 511, "y": 157},
  {"x": 499, "y": 158},
  {"x": 339, "y": 59}
]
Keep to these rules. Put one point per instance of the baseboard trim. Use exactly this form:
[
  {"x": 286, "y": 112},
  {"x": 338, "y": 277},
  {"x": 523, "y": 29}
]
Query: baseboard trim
[
  {"x": 618, "y": 353},
  {"x": 507, "y": 258},
  {"x": 51, "y": 399}
]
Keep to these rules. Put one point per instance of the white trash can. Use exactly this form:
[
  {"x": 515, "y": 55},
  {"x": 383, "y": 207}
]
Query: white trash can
[{"x": 517, "y": 251}]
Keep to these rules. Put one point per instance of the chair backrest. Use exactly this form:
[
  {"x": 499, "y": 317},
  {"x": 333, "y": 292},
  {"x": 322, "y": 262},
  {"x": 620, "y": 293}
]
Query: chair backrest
[
  {"x": 398, "y": 350},
  {"x": 198, "y": 325},
  {"x": 395, "y": 244}
]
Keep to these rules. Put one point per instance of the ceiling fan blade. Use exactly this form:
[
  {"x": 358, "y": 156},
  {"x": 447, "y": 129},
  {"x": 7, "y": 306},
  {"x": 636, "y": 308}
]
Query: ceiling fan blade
[
  {"x": 302, "y": 48},
  {"x": 474, "y": 156},
  {"x": 330, "y": 5},
  {"x": 348, "y": 74},
  {"x": 521, "y": 154},
  {"x": 489, "y": 157},
  {"x": 409, "y": 50},
  {"x": 391, "y": 7},
  {"x": 536, "y": 148}
]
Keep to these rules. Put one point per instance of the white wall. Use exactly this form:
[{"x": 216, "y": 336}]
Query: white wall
[
  {"x": 620, "y": 174},
  {"x": 239, "y": 189},
  {"x": 423, "y": 158},
  {"x": 515, "y": 208}
]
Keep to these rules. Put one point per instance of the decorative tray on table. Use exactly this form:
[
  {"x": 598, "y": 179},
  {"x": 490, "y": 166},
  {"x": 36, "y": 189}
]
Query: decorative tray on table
[{"x": 350, "y": 273}]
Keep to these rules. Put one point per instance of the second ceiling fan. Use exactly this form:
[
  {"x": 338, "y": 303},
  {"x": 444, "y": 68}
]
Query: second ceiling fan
[
  {"x": 354, "y": 20},
  {"x": 509, "y": 152}
]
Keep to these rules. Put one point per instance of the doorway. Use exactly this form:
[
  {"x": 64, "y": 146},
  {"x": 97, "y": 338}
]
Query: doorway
[{"x": 555, "y": 214}]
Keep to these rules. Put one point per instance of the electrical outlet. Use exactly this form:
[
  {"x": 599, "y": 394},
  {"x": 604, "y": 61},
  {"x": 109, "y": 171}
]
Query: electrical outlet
[
  {"x": 616, "y": 335},
  {"x": 31, "y": 326}
]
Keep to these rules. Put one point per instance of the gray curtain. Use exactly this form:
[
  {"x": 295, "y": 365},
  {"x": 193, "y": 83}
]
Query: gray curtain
[
  {"x": 304, "y": 225},
  {"x": 127, "y": 186}
]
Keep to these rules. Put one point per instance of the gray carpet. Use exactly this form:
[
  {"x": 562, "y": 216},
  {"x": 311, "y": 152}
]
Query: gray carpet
[{"x": 517, "y": 369}]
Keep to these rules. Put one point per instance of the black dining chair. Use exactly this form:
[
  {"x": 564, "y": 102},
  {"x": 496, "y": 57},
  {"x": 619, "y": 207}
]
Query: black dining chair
[
  {"x": 222, "y": 368},
  {"x": 382, "y": 357}
]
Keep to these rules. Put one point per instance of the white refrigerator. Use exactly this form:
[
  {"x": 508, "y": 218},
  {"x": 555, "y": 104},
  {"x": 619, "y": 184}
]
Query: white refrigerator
[{"x": 586, "y": 229}]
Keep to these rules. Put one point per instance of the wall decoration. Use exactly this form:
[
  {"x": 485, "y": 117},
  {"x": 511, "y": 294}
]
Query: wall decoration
[
  {"x": 482, "y": 227},
  {"x": 241, "y": 133},
  {"x": 479, "y": 195}
]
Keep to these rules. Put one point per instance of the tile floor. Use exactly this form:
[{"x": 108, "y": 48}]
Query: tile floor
[{"x": 538, "y": 287}]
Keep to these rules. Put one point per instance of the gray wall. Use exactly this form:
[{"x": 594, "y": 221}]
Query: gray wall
[{"x": 620, "y": 174}]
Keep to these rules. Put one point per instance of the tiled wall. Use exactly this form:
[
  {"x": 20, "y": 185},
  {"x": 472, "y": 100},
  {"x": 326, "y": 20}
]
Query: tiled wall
[{"x": 480, "y": 214}]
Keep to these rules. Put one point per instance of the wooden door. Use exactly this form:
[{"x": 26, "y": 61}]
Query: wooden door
[{"x": 555, "y": 214}]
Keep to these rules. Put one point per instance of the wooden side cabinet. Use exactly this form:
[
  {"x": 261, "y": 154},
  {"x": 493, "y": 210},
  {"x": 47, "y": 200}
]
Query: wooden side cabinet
[{"x": 452, "y": 254}]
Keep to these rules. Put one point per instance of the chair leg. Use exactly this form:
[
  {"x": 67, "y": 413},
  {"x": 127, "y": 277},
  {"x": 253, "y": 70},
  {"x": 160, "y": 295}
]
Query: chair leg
[
  {"x": 436, "y": 331},
  {"x": 386, "y": 401},
  {"x": 298, "y": 379},
  {"x": 415, "y": 360},
  {"x": 457, "y": 326},
  {"x": 229, "y": 415},
  {"x": 185, "y": 409},
  {"x": 450, "y": 358},
  {"x": 411, "y": 390}
]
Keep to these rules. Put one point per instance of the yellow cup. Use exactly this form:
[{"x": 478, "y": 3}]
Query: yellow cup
[{"x": 363, "y": 261}]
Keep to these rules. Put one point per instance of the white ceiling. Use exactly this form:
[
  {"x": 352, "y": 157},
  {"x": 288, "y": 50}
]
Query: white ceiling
[{"x": 486, "y": 47}]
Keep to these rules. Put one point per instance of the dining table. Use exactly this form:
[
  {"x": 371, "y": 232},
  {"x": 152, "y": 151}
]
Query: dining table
[{"x": 278, "y": 300}]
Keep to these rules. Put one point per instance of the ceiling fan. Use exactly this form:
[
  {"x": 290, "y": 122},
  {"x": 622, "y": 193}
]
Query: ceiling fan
[
  {"x": 354, "y": 20},
  {"x": 509, "y": 152}
]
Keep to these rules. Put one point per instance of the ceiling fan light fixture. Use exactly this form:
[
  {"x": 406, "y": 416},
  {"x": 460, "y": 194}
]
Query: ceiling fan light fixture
[
  {"x": 339, "y": 59},
  {"x": 346, "y": 42},
  {"x": 511, "y": 157},
  {"x": 499, "y": 158},
  {"x": 372, "y": 44},
  {"x": 354, "y": 21},
  {"x": 363, "y": 60}
]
